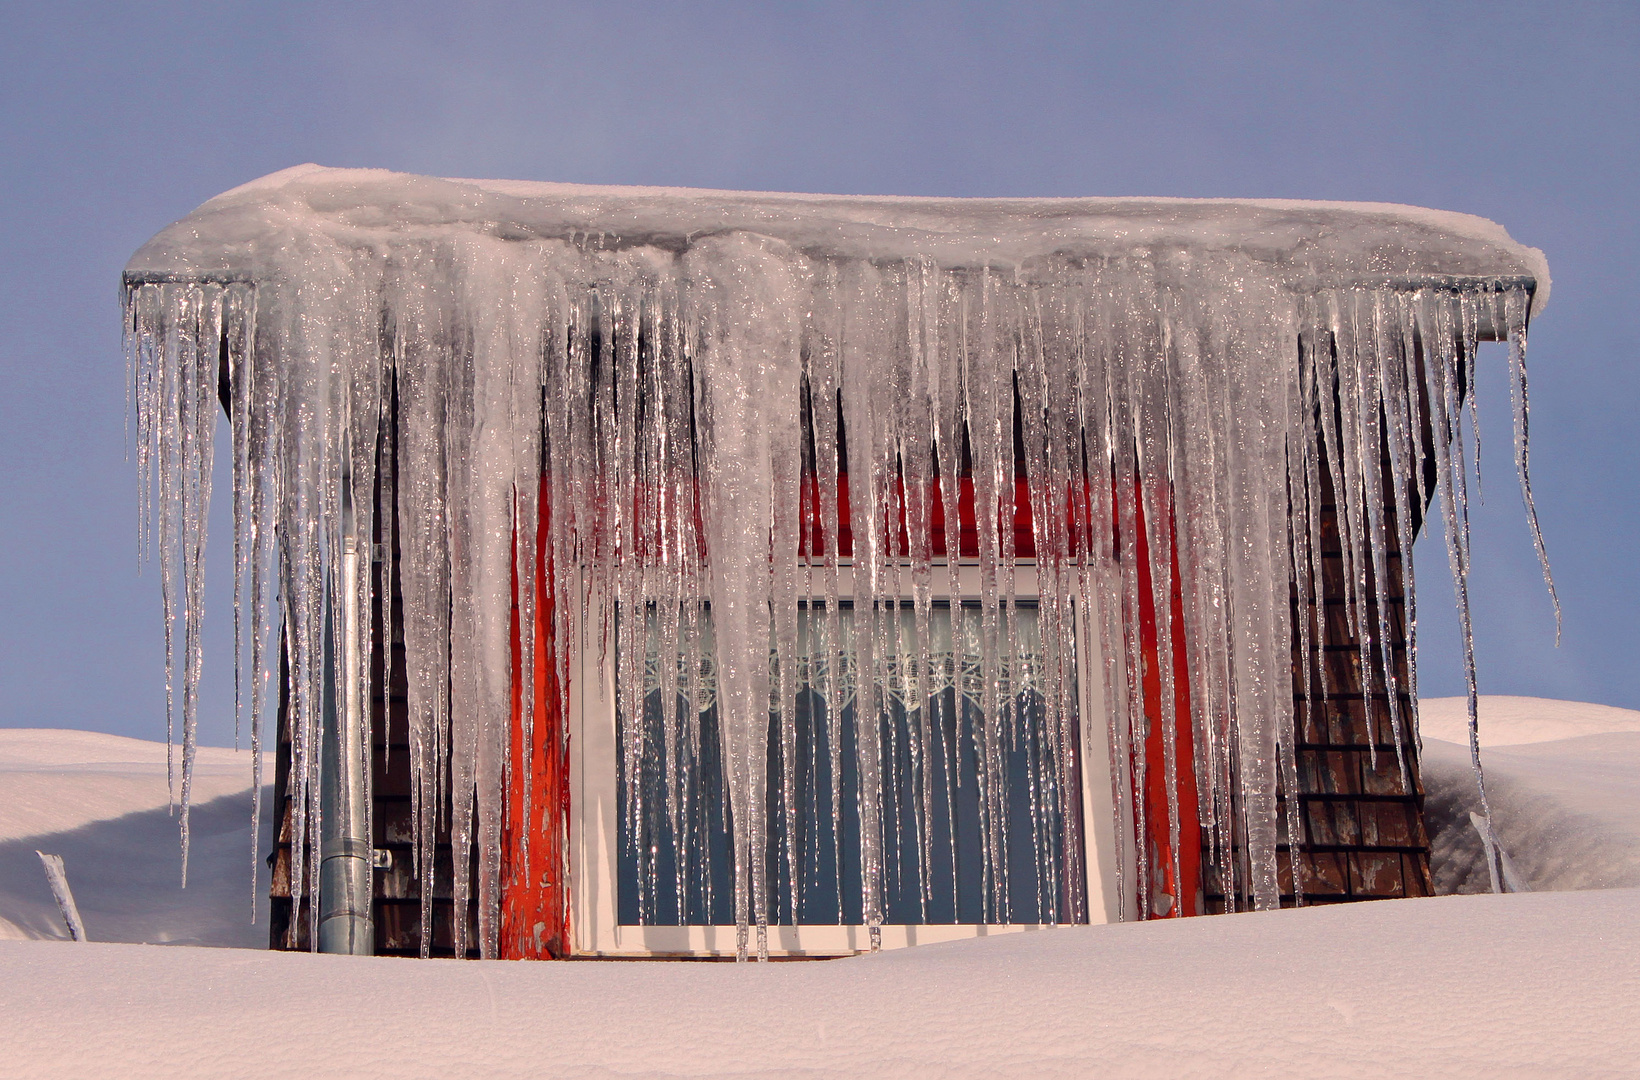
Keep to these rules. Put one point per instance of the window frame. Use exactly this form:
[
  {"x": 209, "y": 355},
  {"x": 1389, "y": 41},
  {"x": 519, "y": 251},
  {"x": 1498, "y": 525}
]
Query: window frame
[{"x": 594, "y": 820}]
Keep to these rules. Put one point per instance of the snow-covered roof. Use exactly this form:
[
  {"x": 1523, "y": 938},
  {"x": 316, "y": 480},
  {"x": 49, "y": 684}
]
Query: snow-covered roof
[{"x": 1310, "y": 245}]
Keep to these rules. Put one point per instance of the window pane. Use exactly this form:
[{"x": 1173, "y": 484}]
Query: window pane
[{"x": 973, "y": 798}]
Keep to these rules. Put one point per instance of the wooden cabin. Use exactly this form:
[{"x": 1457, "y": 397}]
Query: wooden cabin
[{"x": 1094, "y": 702}]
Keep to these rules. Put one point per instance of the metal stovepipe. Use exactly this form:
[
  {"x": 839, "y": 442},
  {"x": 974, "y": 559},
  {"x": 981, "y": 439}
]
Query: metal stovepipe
[{"x": 346, "y": 924}]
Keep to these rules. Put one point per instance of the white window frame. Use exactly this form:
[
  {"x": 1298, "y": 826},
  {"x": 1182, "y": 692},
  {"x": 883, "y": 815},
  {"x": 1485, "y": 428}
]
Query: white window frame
[{"x": 595, "y": 807}]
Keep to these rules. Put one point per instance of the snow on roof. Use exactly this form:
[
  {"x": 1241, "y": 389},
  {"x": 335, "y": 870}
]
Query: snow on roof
[{"x": 1310, "y": 244}]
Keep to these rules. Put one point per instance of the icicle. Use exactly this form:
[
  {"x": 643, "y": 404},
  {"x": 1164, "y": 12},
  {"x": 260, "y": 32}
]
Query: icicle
[
  {"x": 785, "y": 473},
  {"x": 1260, "y": 648},
  {"x": 1375, "y": 356},
  {"x": 917, "y": 428},
  {"x": 1351, "y": 353},
  {"x": 1409, "y": 458},
  {"x": 1125, "y": 485},
  {"x": 1516, "y": 303},
  {"x": 1197, "y": 402},
  {"x": 1049, "y": 374},
  {"x": 950, "y": 420},
  {"x": 865, "y": 401},
  {"x": 658, "y": 529},
  {"x": 239, "y": 334},
  {"x": 1148, "y": 378},
  {"x": 1437, "y": 336},
  {"x": 183, "y": 391},
  {"x": 620, "y": 340},
  {"x": 823, "y": 342},
  {"x": 746, "y": 411},
  {"x": 422, "y": 359},
  {"x": 527, "y": 331},
  {"x": 1004, "y": 365},
  {"x": 990, "y": 424},
  {"x": 1469, "y": 323},
  {"x": 505, "y": 336}
]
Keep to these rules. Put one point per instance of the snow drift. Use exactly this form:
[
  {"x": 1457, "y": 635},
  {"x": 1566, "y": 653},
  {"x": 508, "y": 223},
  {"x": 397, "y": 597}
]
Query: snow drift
[
  {"x": 1561, "y": 779},
  {"x": 102, "y": 803},
  {"x": 1528, "y": 985}
]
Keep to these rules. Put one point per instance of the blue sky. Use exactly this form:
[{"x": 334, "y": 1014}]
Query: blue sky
[{"x": 117, "y": 119}]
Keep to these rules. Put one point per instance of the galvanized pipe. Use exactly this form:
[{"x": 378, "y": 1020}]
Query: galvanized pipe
[{"x": 346, "y": 924}]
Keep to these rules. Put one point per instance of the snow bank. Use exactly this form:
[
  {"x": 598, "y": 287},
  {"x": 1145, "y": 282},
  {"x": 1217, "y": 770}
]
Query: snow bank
[
  {"x": 1567, "y": 812},
  {"x": 1506, "y": 721},
  {"x": 1517, "y": 985},
  {"x": 1560, "y": 778},
  {"x": 101, "y": 802},
  {"x": 54, "y": 781}
]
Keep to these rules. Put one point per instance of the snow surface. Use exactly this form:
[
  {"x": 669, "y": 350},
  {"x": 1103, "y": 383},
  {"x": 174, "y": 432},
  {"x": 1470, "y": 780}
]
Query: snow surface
[
  {"x": 1515, "y": 985},
  {"x": 1534, "y": 984},
  {"x": 1560, "y": 776}
]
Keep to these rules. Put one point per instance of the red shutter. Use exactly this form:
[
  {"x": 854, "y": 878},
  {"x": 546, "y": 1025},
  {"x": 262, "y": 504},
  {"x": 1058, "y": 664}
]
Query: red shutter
[
  {"x": 535, "y": 882},
  {"x": 1158, "y": 839}
]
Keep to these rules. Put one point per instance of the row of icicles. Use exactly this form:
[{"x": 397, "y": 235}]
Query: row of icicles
[{"x": 670, "y": 409}]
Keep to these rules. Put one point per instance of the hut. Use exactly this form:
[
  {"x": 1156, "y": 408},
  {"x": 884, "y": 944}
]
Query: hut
[{"x": 658, "y": 572}]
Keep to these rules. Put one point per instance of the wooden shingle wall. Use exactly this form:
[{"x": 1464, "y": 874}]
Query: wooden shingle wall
[{"x": 1362, "y": 821}]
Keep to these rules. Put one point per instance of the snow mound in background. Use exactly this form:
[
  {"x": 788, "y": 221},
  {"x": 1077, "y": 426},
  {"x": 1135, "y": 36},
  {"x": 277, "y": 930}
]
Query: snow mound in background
[
  {"x": 1508, "y": 721},
  {"x": 1560, "y": 776},
  {"x": 101, "y": 802},
  {"x": 53, "y": 781},
  {"x": 1459, "y": 986},
  {"x": 1567, "y": 812}
]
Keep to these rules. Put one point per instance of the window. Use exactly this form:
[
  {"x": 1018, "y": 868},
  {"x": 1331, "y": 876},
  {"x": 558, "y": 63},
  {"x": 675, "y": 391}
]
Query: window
[{"x": 960, "y": 857}]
